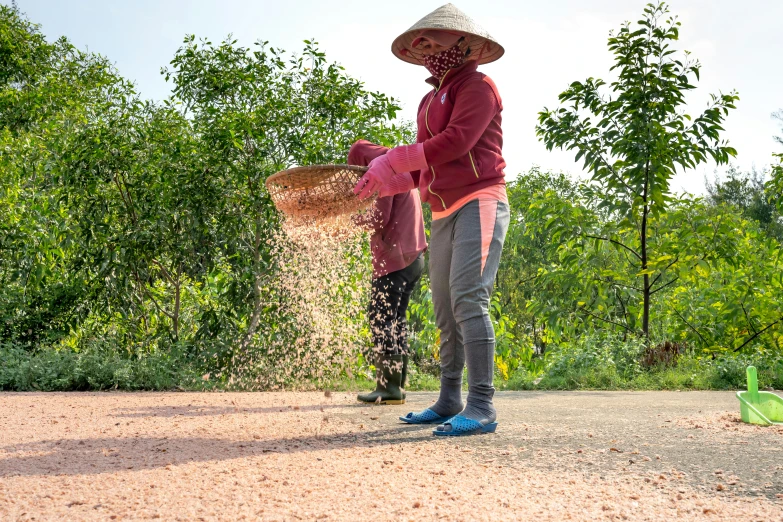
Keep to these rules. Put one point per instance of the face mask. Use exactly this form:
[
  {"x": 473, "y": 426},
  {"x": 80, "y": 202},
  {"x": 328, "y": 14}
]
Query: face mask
[{"x": 439, "y": 64}]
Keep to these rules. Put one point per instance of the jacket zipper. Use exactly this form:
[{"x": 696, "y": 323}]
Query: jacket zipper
[
  {"x": 427, "y": 124},
  {"x": 470, "y": 155}
]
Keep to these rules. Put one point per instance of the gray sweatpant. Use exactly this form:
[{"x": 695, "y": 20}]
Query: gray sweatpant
[{"x": 465, "y": 250}]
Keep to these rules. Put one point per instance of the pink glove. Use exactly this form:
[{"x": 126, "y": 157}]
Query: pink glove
[{"x": 390, "y": 174}]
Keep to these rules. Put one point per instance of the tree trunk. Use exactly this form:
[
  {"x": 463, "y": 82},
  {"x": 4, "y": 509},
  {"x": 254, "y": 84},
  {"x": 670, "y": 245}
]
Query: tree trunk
[
  {"x": 255, "y": 318},
  {"x": 646, "y": 288},
  {"x": 177, "y": 301},
  {"x": 646, "y": 312}
]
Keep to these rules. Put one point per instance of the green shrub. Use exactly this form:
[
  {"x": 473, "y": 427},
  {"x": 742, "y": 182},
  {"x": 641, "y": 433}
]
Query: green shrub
[
  {"x": 95, "y": 368},
  {"x": 594, "y": 363}
]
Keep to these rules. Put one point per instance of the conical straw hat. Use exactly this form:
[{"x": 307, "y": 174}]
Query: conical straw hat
[{"x": 451, "y": 19}]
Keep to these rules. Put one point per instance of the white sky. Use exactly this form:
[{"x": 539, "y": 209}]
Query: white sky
[{"x": 548, "y": 45}]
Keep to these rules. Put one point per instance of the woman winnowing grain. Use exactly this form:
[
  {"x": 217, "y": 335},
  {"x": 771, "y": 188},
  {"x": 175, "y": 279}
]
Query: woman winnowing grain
[{"x": 457, "y": 164}]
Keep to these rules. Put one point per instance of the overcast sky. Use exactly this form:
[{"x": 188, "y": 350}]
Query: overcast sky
[{"x": 548, "y": 45}]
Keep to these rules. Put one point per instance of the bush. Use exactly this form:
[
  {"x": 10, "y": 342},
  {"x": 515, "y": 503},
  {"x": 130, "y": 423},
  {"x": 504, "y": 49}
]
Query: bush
[
  {"x": 595, "y": 363},
  {"x": 95, "y": 368},
  {"x": 592, "y": 353}
]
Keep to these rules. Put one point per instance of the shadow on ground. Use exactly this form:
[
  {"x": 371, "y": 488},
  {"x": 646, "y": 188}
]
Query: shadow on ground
[
  {"x": 207, "y": 411},
  {"x": 112, "y": 454}
]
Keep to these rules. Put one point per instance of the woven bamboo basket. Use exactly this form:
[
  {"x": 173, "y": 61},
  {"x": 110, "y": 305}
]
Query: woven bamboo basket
[{"x": 317, "y": 191}]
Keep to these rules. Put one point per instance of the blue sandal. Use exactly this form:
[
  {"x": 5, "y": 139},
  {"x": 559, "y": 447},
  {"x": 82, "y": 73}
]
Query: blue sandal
[
  {"x": 423, "y": 417},
  {"x": 461, "y": 426}
]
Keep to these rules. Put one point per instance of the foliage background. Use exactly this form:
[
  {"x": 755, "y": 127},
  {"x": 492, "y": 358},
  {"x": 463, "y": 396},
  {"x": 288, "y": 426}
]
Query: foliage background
[{"x": 139, "y": 249}]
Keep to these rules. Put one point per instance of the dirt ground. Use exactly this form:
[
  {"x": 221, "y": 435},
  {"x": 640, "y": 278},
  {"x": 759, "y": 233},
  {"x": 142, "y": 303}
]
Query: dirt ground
[{"x": 309, "y": 456}]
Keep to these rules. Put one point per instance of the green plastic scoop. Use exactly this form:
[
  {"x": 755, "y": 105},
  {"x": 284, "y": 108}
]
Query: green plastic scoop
[{"x": 757, "y": 407}]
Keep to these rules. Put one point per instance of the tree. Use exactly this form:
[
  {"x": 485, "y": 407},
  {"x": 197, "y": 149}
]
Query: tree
[
  {"x": 775, "y": 185},
  {"x": 634, "y": 139},
  {"x": 746, "y": 192},
  {"x": 257, "y": 113},
  {"x": 722, "y": 296},
  {"x": 46, "y": 91},
  {"x": 134, "y": 176},
  {"x": 528, "y": 249}
]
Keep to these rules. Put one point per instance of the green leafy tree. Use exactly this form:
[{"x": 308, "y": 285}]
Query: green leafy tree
[
  {"x": 46, "y": 91},
  {"x": 721, "y": 294},
  {"x": 136, "y": 171},
  {"x": 775, "y": 185},
  {"x": 634, "y": 139},
  {"x": 730, "y": 302},
  {"x": 38, "y": 79},
  {"x": 257, "y": 113},
  {"x": 530, "y": 249},
  {"x": 746, "y": 191}
]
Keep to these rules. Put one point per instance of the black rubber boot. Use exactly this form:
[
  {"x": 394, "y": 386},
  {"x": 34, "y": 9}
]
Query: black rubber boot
[{"x": 388, "y": 376}]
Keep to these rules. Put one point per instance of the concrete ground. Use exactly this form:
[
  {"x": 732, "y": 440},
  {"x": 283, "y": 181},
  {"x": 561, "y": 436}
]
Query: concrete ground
[{"x": 313, "y": 456}]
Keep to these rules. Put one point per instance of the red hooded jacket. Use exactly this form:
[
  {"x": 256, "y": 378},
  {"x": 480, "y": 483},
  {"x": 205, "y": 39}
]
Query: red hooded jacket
[
  {"x": 459, "y": 125},
  {"x": 396, "y": 221}
]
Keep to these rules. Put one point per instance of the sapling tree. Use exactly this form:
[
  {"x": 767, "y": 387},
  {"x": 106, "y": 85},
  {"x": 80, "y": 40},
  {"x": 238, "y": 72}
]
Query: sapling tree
[
  {"x": 775, "y": 185},
  {"x": 633, "y": 135}
]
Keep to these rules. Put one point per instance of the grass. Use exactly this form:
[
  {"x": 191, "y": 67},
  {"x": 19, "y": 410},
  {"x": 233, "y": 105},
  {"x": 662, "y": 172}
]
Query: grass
[
  {"x": 95, "y": 369},
  {"x": 102, "y": 368},
  {"x": 417, "y": 381},
  {"x": 691, "y": 373}
]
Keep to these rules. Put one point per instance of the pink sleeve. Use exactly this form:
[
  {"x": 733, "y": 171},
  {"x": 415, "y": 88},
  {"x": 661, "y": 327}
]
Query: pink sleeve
[
  {"x": 363, "y": 152},
  {"x": 475, "y": 106}
]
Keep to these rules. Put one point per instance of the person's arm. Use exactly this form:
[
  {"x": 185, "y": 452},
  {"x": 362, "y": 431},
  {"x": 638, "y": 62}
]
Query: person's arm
[{"x": 363, "y": 152}]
